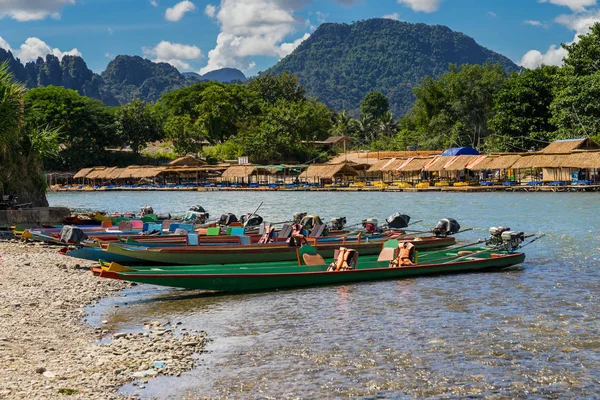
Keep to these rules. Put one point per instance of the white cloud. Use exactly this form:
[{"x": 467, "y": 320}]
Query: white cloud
[
  {"x": 533, "y": 23},
  {"x": 210, "y": 10},
  {"x": 492, "y": 14},
  {"x": 154, "y": 3},
  {"x": 30, "y": 10},
  {"x": 321, "y": 17},
  {"x": 110, "y": 30},
  {"x": 177, "y": 12},
  {"x": 174, "y": 54},
  {"x": 427, "y": 6},
  {"x": 287, "y": 48},
  {"x": 394, "y": 16},
  {"x": 34, "y": 48},
  {"x": 4, "y": 44},
  {"x": 574, "y": 5},
  {"x": 580, "y": 23}
]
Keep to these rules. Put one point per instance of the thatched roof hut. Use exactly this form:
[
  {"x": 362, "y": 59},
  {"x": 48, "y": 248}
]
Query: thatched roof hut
[
  {"x": 539, "y": 161},
  {"x": 238, "y": 172},
  {"x": 83, "y": 173},
  {"x": 569, "y": 145},
  {"x": 584, "y": 159},
  {"x": 462, "y": 162},
  {"x": 413, "y": 164},
  {"x": 103, "y": 173},
  {"x": 380, "y": 164},
  {"x": 439, "y": 163},
  {"x": 187, "y": 161},
  {"x": 504, "y": 161},
  {"x": 327, "y": 171}
]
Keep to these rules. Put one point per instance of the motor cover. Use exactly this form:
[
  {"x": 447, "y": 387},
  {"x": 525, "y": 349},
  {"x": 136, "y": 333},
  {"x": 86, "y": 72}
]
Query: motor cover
[
  {"x": 227, "y": 219},
  {"x": 338, "y": 223},
  {"x": 297, "y": 217},
  {"x": 197, "y": 208},
  {"x": 251, "y": 220},
  {"x": 445, "y": 227},
  {"x": 398, "y": 221}
]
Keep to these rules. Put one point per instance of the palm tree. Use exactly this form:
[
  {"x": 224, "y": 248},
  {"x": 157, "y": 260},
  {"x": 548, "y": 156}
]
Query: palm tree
[
  {"x": 364, "y": 127},
  {"x": 22, "y": 147},
  {"x": 387, "y": 126}
]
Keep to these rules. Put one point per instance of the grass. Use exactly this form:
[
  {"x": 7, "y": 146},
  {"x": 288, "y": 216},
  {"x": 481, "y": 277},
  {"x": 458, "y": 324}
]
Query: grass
[{"x": 67, "y": 391}]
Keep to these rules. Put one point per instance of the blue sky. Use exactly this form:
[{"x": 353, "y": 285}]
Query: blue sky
[{"x": 253, "y": 34}]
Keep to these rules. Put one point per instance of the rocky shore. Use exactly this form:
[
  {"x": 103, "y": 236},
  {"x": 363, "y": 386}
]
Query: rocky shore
[{"x": 47, "y": 350}]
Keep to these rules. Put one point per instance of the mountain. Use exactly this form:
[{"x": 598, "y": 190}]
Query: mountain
[
  {"x": 133, "y": 77},
  {"x": 70, "y": 72},
  {"x": 125, "y": 78},
  {"x": 225, "y": 75},
  {"x": 340, "y": 63}
]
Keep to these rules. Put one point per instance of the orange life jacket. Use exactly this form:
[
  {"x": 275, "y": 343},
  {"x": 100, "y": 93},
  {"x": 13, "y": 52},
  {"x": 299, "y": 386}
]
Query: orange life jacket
[
  {"x": 405, "y": 255},
  {"x": 345, "y": 260}
]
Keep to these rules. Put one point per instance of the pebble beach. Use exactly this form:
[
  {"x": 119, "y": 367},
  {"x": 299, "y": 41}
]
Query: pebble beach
[{"x": 47, "y": 350}]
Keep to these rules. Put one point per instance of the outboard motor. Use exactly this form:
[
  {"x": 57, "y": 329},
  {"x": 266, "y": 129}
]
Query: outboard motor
[
  {"x": 496, "y": 235},
  {"x": 337, "y": 224},
  {"x": 197, "y": 208},
  {"x": 446, "y": 227},
  {"x": 310, "y": 221},
  {"x": 370, "y": 225},
  {"x": 251, "y": 219},
  {"x": 163, "y": 216},
  {"x": 512, "y": 239},
  {"x": 397, "y": 221},
  {"x": 146, "y": 210},
  {"x": 297, "y": 217},
  {"x": 227, "y": 219}
]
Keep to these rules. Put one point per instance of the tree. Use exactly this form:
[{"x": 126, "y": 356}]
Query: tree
[
  {"x": 22, "y": 146},
  {"x": 138, "y": 124},
  {"x": 584, "y": 55},
  {"x": 86, "y": 126},
  {"x": 186, "y": 136},
  {"x": 374, "y": 105},
  {"x": 521, "y": 119},
  {"x": 285, "y": 130},
  {"x": 271, "y": 88},
  {"x": 454, "y": 109}
]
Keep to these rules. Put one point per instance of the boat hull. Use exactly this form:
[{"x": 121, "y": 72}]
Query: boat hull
[
  {"x": 303, "y": 276},
  {"x": 194, "y": 255}
]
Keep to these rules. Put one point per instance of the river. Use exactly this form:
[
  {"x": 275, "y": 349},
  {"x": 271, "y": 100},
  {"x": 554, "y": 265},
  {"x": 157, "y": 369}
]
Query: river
[{"x": 531, "y": 331}]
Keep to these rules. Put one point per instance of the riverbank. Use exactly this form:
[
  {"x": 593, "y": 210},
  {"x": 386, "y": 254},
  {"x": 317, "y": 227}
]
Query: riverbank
[
  {"x": 460, "y": 189},
  {"x": 47, "y": 350}
]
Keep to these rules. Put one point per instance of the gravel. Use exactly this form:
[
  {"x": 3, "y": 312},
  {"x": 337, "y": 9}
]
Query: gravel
[{"x": 47, "y": 350}]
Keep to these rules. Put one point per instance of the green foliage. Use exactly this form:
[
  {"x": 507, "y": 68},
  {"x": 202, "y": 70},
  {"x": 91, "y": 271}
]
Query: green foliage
[
  {"x": 218, "y": 112},
  {"x": 271, "y": 89},
  {"x": 340, "y": 63},
  {"x": 281, "y": 132},
  {"x": 522, "y": 114},
  {"x": 22, "y": 145},
  {"x": 86, "y": 125},
  {"x": 453, "y": 110},
  {"x": 137, "y": 124},
  {"x": 584, "y": 55},
  {"x": 228, "y": 150},
  {"x": 374, "y": 105},
  {"x": 186, "y": 136}
]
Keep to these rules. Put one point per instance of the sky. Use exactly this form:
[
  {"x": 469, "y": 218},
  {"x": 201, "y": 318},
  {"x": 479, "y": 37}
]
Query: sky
[{"x": 252, "y": 35}]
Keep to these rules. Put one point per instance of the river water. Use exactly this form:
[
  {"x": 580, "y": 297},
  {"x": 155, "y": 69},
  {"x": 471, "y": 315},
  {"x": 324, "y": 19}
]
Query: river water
[{"x": 530, "y": 332}]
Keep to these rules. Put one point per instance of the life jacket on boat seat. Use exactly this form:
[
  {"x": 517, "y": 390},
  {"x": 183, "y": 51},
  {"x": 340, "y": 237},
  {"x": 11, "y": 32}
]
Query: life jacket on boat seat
[
  {"x": 297, "y": 239},
  {"x": 346, "y": 260},
  {"x": 268, "y": 236},
  {"x": 406, "y": 255}
]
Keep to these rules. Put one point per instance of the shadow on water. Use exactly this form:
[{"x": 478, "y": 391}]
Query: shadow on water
[{"x": 529, "y": 332}]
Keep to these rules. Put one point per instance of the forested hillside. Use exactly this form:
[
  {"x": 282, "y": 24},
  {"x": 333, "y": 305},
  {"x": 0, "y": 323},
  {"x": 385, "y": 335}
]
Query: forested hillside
[{"x": 340, "y": 63}]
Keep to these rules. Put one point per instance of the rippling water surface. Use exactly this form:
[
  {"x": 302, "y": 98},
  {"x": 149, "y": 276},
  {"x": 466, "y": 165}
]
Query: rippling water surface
[{"x": 530, "y": 332}]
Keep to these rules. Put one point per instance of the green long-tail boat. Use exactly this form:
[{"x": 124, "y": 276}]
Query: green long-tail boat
[
  {"x": 312, "y": 270},
  {"x": 276, "y": 252}
]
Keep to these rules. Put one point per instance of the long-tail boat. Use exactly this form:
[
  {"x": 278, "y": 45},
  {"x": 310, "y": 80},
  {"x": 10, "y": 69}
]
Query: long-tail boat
[
  {"x": 254, "y": 253},
  {"x": 285, "y": 275}
]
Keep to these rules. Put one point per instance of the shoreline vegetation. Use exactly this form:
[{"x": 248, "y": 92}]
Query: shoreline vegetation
[{"x": 48, "y": 351}]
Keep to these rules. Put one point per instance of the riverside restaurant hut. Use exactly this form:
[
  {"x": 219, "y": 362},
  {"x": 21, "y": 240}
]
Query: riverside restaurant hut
[
  {"x": 495, "y": 167},
  {"x": 412, "y": 169},
  {"x": 458, "y": 169},
  {"x": 570, "y": 145},
  {"x": 548, "y": 165},
  {"x": 239, "y": 174},
  {"x": 328, "y": 173}
]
